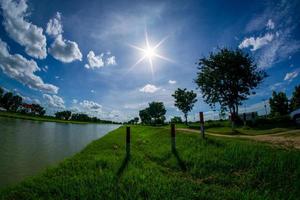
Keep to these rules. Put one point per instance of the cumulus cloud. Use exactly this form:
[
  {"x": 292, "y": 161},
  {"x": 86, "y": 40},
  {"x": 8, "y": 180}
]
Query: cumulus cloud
[
  {"x": 61, "y": 49},
  {"x": 172, "y": 82},
  {"x": 149, "y": 88},
  {"x": 94, "y": 61},
  {"x": 22, "y": 70},
  {"x": 54, "y": 101},
  {"x": 54, "y": 26},
  {"x": 98, "y": 61},
  {"x": 23, "y": 32},
  {"x": 90, "y": 105},
  {"x": 111, "y": 60},
  {"x": 256, "y": 43},
  {"x": 290, "y": 76},
  {"x": 270, "y": 24}
]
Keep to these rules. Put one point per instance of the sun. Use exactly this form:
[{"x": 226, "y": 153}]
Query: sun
[{"x": 149, "y": 52}]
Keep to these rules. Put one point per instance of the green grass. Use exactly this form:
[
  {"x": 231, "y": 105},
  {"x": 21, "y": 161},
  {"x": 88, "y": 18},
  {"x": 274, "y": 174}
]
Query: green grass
[
  {"x": 37, "y": 118},
  {"x": 217, "y": 168}
]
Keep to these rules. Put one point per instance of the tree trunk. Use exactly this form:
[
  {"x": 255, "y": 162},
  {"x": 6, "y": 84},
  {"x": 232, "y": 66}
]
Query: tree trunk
[{"x": 185, "y": 115}]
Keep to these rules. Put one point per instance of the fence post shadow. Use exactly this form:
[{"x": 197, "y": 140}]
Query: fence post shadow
[
  {"x": 124, "y": 163},
  {"x": 174, "y": 150}
]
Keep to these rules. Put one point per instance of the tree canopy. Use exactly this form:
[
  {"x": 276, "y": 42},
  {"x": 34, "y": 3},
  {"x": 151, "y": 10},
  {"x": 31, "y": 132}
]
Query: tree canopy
[
  {"x": 184, "y": 101},
  {"x": 295, "y": 100},
  {"x": 154, "y": 114},
  {"x": 228, "y": 77},
  {"x": 279, "y": 104}
]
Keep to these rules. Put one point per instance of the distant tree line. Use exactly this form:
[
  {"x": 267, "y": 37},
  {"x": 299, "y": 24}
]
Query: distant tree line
[
  {"x": 68, "y": 115},
  {"x": 14, "y": 103},
  {"x": 154, "y": 114}
]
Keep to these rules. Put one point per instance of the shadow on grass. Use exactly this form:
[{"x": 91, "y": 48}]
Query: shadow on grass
[
  {"x": 120, "y": 172},
  {"x": 174, "y": 151}
]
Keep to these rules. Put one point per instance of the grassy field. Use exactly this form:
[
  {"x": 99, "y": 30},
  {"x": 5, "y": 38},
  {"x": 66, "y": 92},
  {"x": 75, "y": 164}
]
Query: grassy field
[
  {"x": 37, "y": 118},
  {"x": 216, "y": 168}
]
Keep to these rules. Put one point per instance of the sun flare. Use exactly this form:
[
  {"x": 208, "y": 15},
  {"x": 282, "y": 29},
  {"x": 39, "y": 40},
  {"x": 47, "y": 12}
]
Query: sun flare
[{"x": 149, "y": 52}]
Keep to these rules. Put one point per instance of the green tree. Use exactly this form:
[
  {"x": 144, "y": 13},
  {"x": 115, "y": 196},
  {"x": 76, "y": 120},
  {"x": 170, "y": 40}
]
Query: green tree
[
  {"x": 279, "y": 104},
  {"x": 38, "y": 110},
  {"x": 228, "y": 78},
  {"x": 1, "y": 92},
  {"x": 184, "y": 101},
  {"x": 295, "y": 100},
  {"x": 63, "y": 115},
  {"x": 136, "y": 120},
  {"x": 145, "y": 116},
  {"x": 157, "y": 112},
  {"x": 7, "y": 100},
  {"x": 16, "y": 103},
  {"x": 176, "y": 120}
]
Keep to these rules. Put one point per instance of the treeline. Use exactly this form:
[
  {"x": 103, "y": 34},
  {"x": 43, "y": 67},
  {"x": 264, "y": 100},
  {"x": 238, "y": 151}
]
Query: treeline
[
  {"x": 14, "y": 103},
  {"x": 68, "y": 115}
]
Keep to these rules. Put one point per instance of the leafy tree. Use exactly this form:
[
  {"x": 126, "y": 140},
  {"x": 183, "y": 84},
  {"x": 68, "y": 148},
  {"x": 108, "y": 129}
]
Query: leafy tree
[
  {"x": 80, "y": 117},
  {"x": 1, "y": 92},
  {"x": 279, "y": 104},
  {"x": 136, "y": 120},
  {"x": 7, "y": 100},
  {"x": 228, "y": 78},
  {"x": 16, "y": 103},
  {"x": 176, "y": 120},
  {"x": 295, "y": 100},
  {"x": 38, "y": 110},
  {"x": 63, "y": 115},
  {"x": 157, "y": 112},
  {"x": 145, "y": 116},
  {"x": 184, "y": 101}
]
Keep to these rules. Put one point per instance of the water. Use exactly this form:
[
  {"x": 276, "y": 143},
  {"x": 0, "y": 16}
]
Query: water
[{"x": 27, "y": 147}]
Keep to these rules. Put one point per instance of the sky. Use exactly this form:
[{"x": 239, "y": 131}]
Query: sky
[{"x": 87, "y": 56}]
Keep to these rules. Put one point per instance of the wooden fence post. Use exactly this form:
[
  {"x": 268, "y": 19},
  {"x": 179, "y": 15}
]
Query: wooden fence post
[
  {"x": 202, "y": 124},
  {"x": 173, "y": 137},
  {"x": 127, "y": 141}
]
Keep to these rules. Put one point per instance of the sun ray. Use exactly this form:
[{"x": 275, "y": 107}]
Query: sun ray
[{"x": 149, "y": 52}]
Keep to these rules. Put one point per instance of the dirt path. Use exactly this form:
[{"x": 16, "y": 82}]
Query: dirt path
[{"x": 290, "y": 139}]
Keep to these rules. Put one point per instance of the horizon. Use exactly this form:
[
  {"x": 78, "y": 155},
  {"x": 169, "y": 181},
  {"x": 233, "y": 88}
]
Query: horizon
[{"x": 111, "y": 59}]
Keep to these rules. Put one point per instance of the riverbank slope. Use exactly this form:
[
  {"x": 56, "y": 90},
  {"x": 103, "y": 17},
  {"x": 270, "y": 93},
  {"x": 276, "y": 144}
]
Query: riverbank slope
[{"x": 216, "y": 168}]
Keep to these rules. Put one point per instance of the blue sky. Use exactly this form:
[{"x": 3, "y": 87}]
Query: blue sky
[{"x": 78, "y": 55}]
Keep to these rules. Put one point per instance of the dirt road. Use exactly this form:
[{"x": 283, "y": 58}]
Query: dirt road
[{"x": 290, "y": 139}]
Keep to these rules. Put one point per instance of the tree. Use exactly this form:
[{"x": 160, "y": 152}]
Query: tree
[
  {"x": 16, "y": 103},
  {"x": 36, "y": 109},
  {"x": 7, "y": 100},
  {"x": 145, "y": 116},
  {"x": 184, "y": 101},
  {"x": 136, "y": 120},
  {"x": 295, "y": 100},
  {"x": 279, "y": 104},
  {"x": 157, "y": 112},
  {"x": 228, "y": 78},
  {"x": 176, "y": 120},
  {"x": 1, "y": 92},
  {"x": 63, "y": 115}
]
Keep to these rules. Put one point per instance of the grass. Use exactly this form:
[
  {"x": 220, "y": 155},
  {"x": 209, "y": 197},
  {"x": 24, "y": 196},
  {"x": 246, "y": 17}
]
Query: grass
[
  {"x": 216, "y": 168},
  {"x": 37, "y": 118}
]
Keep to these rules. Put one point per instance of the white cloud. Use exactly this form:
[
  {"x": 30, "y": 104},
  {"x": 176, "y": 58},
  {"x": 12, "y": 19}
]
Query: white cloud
[
  {"x": 54, "y": 101},
  {"x": 61, "y": 49},
  {"x": 270, "y": 24},
  {"x": 65, "y": 50},
  {"x": 290, "y": 76},
  {"x": 97, "y": 61},
  {"x": 90, "y": 105},
  {"x": 256, "y": 43},
  {"x": 111, "y": 60},
  {"x": 149, "y": 88},
  {"x": 22, "y": 70},
  {"x": 94, "y": 61},
  {"x": 23, "y": 32},
  {"x": 54, "y": 26},
  {"x": 172, "y": 82}
]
